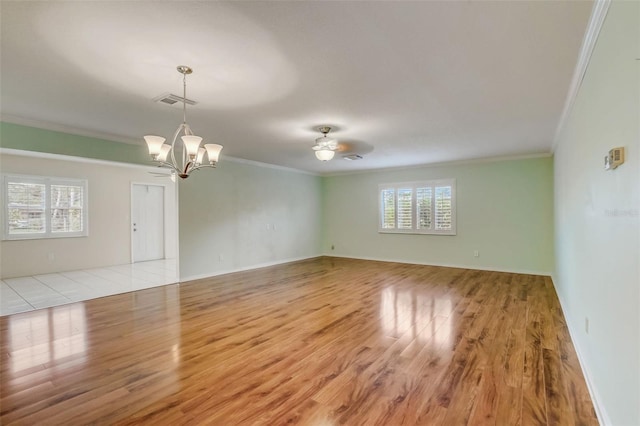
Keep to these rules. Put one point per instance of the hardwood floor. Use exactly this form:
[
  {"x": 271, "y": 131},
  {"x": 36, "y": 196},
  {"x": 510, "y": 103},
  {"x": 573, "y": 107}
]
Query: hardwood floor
[{"x": 319, "y": 342}]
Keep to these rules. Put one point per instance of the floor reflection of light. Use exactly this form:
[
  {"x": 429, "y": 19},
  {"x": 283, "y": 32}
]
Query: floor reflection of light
[
  {"x": 161, "y": 307},
  {"x": 47, "y": 335},
  {"x": 175, "y": 352},
  {"x": 60, "y": 345},
  {"x": 424, "y": 316},
  {"x": 443, "y": 332}
]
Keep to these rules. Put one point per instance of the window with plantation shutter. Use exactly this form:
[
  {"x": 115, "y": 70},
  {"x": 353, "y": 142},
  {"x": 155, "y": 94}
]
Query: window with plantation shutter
[
  {"x": 426, "y": 207},
  {"x": 443, "y": 208},
  {"x": 388, "y": 206},
  {"x": 403, "y": 208},
  {"x": 43, "y": 207}
]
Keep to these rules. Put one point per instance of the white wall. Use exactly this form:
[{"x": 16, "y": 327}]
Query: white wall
[
  {"x": 244, "y": 215},
  {"x": 504, "y": 210},
  {"x": 597, "y": 215},
  {"x": 109, "y": 240}
]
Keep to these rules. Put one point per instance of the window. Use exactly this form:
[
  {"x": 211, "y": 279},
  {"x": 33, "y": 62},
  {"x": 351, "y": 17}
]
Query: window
[
  {"x": 418, "y": 207},
  {"x": 44, "y": 207}
]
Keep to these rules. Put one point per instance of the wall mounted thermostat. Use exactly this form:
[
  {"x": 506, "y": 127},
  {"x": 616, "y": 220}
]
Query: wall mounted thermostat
[{"x": 614, "y": 158}]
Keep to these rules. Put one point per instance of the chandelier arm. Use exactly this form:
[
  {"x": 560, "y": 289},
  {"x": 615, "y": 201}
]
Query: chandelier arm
[
  {"x": 168, "y": 165},
  {"x": 203, "y": 166},
  {"x": 188, "y": 170},
  {"x": 173, "y": 147},
  {"x": 185, "y": 157}
]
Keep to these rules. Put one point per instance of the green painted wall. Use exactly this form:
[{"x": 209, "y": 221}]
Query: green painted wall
[
  {"x": 15, "y": 136},
  {"x": 597, "y": 216},
  {"x": 504, "y": 210},
  {"x": 240, "y": 216}
]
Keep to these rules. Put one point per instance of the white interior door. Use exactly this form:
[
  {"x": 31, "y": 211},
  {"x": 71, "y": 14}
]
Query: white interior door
[{"x": 147, "y": 222}]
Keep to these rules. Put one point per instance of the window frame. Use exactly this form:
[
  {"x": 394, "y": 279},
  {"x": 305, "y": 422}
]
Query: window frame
[
  {"x": 450, "y": 182},
  {"x": 47, "y": 181}
]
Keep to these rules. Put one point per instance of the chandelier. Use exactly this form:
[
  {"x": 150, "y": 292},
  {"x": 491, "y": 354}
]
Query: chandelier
[
  {"x": 192, "y": 155},
  {"x": 325, "y": 147}
]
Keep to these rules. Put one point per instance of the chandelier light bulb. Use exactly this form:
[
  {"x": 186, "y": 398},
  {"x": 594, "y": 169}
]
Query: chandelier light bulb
[
  {"x": 154, "y": 143},
  {"x": 213, "y": 152},
  {"x": 200, "y": 157},
  {"x": 191, "y": 144},
  {"x": 164, "y": 152}
]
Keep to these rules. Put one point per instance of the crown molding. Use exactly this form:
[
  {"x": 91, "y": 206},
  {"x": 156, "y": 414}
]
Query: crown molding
[
  {"x": 444, "y": 164},
  {"x": 598, "y": 15}
]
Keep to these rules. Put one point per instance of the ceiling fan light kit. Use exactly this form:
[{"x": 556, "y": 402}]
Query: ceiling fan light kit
[
  {"x": 193, "y": 155},
  {"x": 325, "y": 147}
]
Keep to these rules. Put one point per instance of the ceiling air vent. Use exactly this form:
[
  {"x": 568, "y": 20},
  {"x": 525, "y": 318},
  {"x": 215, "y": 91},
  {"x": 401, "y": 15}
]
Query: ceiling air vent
[
  {"x": 170, "y": 99},
  {"x": 353, "y": 157}
]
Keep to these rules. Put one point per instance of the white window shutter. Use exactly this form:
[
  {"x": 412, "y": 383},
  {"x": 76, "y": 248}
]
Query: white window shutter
[
  {"x": 427, "y": 207},
  {"x": 404, "y": 208},
  {"x": 424, "y": 205},
  {"x": 388, "y": 208},
  {"x": 443, "y": 208}
]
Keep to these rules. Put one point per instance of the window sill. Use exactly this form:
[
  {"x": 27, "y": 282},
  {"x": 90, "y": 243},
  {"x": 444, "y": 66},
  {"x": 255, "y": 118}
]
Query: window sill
[{"x": 414, "y": 232}]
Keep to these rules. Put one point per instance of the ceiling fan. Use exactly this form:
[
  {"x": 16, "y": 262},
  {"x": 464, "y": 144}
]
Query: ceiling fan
[{"x": 325, "y": 147}]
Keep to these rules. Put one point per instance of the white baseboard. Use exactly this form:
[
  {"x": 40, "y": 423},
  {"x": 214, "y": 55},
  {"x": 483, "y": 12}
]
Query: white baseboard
[
  {"x": 296, "y": 259},
  {"x": 245, "y": 268},
  {"x": 601, "y": 413},
  {"x": 445, "y": 265}
]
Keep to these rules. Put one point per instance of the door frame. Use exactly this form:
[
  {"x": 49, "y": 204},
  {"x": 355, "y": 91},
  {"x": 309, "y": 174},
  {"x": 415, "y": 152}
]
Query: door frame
[{"x": 164, "y": 217}]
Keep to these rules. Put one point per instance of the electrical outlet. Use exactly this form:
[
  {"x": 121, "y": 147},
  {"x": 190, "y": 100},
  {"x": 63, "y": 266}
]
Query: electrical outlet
[
  {"x": 220, "y": 257},
  {"x": 476, "y": 253},
  {"x": 52, "y": 257},
  {"x": 586, "y": 324}
]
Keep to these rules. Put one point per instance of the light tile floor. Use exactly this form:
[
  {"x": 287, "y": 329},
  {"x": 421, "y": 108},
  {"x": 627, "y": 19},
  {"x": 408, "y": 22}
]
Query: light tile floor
[{"x": 43, "y": 291}]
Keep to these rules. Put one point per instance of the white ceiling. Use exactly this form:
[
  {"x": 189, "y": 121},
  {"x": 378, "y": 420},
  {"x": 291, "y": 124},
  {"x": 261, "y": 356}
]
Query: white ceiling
[{"x": 404, "y": 83}]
